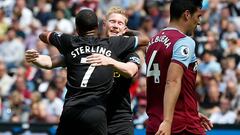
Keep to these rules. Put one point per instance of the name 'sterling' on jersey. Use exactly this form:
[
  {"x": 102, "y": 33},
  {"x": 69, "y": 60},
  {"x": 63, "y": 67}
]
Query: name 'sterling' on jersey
[
  {"x": 90, "y": 49},
  {"x": 164, "y": 39}
]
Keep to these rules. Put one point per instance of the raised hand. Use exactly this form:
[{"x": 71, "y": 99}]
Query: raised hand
[{"x": 31, "y": 55}]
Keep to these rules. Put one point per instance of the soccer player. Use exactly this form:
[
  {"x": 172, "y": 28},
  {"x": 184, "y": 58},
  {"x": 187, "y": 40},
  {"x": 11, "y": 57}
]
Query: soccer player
[
  {"x": 119, "y": 114},
  {"x": 101, "y": 75},
  {"x": 172, "y": 104}
]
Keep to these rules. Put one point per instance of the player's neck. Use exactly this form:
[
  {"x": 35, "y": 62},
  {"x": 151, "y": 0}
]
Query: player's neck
[
  {"x": 178, "y": 26},
  {"x": 88, "y": 33}
]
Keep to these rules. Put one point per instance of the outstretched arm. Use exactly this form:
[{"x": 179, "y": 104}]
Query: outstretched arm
[
  {"x": 128, "y": 69},
  {"x": 44, "y": 61},
  {"x": 143, "y": 39}
]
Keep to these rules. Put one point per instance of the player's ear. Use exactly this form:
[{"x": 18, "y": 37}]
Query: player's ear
[
  {"x": 125, "y": 29},
  {"x": 77, "y": 30},
  {"x": 187, "y": 15},
  {"x": 104, "y": 23}
]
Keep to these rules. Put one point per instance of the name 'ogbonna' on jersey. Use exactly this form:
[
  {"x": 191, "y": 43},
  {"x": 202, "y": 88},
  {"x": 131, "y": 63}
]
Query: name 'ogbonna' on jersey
[{"x": 90, "y": 49}]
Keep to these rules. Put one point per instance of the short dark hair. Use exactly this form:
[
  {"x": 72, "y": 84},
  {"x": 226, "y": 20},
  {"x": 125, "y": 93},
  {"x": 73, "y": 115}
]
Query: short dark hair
[
  {"x": 86, "y": 20},
  {"x": 178, "y": 7}
]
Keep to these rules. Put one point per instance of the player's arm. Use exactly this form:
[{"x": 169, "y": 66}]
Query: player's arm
[
  {"x": 44, "y": 36},
  {"x": 128, "y": 69},
  {"x": 143, "y": 39},
  {"x": 172, "y": 91},
  {"x": 44, "y": 61},
  {"x": 47, "y": 62},
  {"x": 183, "y": 55}
]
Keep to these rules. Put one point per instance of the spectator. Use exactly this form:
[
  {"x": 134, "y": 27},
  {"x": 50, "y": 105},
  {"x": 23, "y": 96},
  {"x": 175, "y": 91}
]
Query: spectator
[
  {"x": 225, "y": 116},
  {"x": 21, "y": 86},
  {"x": 4, "y": 24},
  {"x": 15, "y": 109},
  {"x": 209, "y": 67},
  {"x": 38, "y": 109},
  {"x": 8, "y": 52},
  {"x": 6, "y": 81},
  {"x": 62, "y": 5},
  {"x": 141, "y": 115},
  {"x": 54, "y": 105},
  {"x": 238, "y": 117},
  {"x": 147, "y": 26},
  {"x": 43, "y": 12},
  {"x": 47, "y": 76},
  {"x": 60, "y": 23},
  {"x": 32, "y": 39},
  {"x": 25, "y": 15},
  {"x": 210, "y": 103}
]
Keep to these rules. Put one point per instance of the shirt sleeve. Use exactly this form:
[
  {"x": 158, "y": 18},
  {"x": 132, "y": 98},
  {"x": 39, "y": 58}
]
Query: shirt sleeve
[
  {"x": 123, "y": 44},
  {"x": 184, "y": 51},
  {"x": 133, "y": 57},
  {"x": 61, "y": 41}
]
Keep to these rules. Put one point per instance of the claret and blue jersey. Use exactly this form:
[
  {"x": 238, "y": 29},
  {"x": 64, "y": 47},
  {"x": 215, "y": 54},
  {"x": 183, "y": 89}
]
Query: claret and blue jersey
[{"x": 171, "y": 45}]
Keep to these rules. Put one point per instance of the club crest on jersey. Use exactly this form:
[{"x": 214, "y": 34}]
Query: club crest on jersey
[{"x": 185, "y": 51}]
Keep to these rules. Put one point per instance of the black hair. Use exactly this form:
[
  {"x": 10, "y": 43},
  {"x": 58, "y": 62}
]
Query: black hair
[
  {"x": 178, "y": 7},
  {"x": 86, "y": 20}
]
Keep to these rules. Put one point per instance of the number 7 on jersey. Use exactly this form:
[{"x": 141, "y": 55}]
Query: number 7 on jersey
[{"x": 87, "y": 74}]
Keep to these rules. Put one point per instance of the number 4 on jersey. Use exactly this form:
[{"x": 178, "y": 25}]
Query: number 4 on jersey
[{"x": 155, "y": 72}]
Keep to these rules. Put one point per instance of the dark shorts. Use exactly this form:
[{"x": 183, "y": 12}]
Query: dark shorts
[
  {"x": 83, "y": 121},
  {"x": 120, "y": 124}
]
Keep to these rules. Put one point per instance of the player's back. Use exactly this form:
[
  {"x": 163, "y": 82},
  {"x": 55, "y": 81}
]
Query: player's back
[
  {"x": 170, "y": 45},
  {"x": 86, "y": 84},
  {"x": 158, "y": 58},
  {"x": 91, "y": 82}
]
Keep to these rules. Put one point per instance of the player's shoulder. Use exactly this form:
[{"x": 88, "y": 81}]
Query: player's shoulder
[
  {"x": 62, "y": 36},
  {"x": 186, "y": 41}
]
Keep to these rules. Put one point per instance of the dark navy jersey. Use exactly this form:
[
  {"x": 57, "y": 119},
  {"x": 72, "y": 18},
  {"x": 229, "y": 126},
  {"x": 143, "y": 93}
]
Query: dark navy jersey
[
  {"x": 119, "y": 103},
  {"x": 87, "y": 84}
]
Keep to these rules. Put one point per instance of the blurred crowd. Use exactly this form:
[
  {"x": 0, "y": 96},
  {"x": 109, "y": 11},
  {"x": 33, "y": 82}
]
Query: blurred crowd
[{"x": 30, "y": 94}]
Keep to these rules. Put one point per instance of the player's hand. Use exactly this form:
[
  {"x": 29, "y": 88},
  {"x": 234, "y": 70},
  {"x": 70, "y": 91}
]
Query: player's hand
[
  {"x": 99, "y": 60},
  {"x": 205, "y": 122},
  {"x": 164, "y": 128},
  {"x": 31, "y": 55}
]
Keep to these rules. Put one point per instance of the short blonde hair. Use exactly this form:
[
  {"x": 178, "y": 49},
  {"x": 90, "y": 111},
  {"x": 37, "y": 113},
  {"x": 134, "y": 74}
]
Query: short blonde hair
[{"x": 117, "y": 10}]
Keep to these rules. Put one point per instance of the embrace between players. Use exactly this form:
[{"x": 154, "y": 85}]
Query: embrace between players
[{"x": 98, "y": 104}]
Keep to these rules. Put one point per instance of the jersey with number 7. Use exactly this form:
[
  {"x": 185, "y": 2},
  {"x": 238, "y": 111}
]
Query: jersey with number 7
[
  {"x": 88, "y": 85},
  {"x": 170, "y": 45}
]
